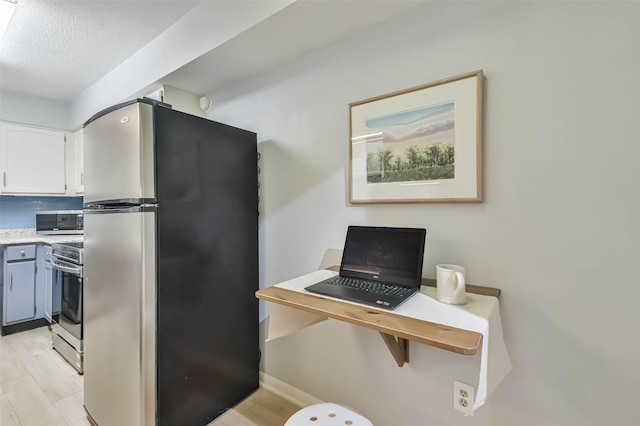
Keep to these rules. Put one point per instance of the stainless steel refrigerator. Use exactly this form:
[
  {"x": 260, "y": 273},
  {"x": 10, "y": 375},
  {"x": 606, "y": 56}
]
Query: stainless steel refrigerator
[{"x": 171, "y": 266}]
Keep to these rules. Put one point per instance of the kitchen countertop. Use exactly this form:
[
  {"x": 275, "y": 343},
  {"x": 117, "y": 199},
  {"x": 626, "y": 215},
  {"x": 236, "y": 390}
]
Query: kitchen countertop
[{"x": 28, "y": 235}]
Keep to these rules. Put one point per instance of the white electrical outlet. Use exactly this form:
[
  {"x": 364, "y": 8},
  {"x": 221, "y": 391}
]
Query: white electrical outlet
[{"x": 463, "y": 397}]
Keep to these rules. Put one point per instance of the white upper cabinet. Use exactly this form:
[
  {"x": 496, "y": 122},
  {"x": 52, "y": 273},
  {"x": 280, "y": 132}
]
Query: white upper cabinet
[
  {"x": 78, "y": 149},
  {"x": 32, "y": 160}
]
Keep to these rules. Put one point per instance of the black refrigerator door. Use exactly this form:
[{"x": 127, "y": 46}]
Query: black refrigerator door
[{"x": 207, "y": 335}]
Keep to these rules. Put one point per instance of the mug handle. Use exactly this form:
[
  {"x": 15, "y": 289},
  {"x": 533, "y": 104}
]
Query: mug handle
[{"x": 460, "y": 287}]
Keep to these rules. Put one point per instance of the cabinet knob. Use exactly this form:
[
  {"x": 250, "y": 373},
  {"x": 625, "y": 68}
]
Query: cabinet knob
[{"x": 22, "y": 253}]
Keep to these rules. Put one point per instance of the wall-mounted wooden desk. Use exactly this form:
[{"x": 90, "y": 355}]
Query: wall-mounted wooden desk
[
  {"x": 473, "y": 329},
  {"x": 396, "y": 330}
]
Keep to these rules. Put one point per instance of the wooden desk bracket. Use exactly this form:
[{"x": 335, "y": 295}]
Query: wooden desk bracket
[{"x": 399, "y": 348}]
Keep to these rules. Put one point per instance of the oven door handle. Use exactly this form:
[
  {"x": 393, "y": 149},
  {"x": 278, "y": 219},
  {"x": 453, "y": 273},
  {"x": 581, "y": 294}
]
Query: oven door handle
[{"x": 63, "y": 268}]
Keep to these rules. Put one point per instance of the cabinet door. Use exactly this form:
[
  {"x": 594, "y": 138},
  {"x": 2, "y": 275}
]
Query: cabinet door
[
  {"x": 78, "y": 146},
  {"x": 32, "y": 160},
  {"x": 43, "y": 282},
  {"x": 48, "y": 292},
  {"x": 19, "y": 291}
]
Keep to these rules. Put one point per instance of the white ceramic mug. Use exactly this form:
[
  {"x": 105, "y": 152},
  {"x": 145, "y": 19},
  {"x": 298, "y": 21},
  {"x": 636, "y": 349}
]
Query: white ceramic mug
[{"x": 450, "y": 284}]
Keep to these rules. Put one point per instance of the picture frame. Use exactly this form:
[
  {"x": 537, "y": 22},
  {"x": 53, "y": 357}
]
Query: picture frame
[{"x": 419, "y": 145}]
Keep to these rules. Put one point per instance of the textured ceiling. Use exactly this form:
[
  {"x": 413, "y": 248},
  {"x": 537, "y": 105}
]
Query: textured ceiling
[
  {"x": 76, "y": 51},
  {"x": 55, "y": 49}
]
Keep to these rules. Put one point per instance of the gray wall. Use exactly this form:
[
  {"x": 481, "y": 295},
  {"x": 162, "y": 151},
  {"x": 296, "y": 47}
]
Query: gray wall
[
  {"x": 557, "y": 231},
  {"x": 36, "y": 111}
]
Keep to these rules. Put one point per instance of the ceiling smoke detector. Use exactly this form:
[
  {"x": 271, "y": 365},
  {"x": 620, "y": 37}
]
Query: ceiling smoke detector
[{"x": 205, "y": 103}]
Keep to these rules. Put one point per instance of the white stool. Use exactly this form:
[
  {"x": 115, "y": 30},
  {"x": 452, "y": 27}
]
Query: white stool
[{"x": 326, "y": 414}]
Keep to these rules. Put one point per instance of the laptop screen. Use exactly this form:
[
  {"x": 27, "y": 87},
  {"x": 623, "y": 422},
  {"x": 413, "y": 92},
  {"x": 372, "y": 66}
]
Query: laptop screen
[{"x": 391, "y": 255}]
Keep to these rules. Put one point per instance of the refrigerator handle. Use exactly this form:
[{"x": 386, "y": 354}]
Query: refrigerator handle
[{"x": 91, "y": 209}]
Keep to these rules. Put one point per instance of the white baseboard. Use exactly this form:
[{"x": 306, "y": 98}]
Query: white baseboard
[{"x": 286, "y": 391}]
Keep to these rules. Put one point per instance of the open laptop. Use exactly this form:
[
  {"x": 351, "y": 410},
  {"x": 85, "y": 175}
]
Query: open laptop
[{"x": 380, "y": 266}]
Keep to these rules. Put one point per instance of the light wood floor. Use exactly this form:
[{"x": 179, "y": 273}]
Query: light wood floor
[{"x": 38, "y": 387}]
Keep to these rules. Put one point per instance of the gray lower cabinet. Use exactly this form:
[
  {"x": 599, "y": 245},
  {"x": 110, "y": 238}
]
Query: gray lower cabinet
[
  {"x": 19, "y": 294},
  {"x": 51, "y": 290},
  {"x": 44, "y": 282}
]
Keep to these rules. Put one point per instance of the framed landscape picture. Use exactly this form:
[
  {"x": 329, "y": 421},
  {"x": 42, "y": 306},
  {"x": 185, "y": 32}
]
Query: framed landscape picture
[{"x": 422, "y": 144}]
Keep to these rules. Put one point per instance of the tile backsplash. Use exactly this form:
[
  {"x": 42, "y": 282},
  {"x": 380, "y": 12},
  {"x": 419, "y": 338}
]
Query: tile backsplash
[{"x": 20, "y": 212}]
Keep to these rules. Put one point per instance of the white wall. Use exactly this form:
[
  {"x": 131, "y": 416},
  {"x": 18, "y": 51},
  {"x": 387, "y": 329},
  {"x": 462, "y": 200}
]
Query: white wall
[
  {"x": 557, "y": 231},
  {"x": 182, "y": 101}
]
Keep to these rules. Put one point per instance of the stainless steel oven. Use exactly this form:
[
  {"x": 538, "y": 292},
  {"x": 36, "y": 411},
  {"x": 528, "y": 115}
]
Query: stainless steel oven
[{"x": 67, "y": 329}]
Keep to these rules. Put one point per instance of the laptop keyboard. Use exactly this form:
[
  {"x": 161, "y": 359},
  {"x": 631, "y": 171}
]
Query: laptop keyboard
[{"x": 370, "y": 286}]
